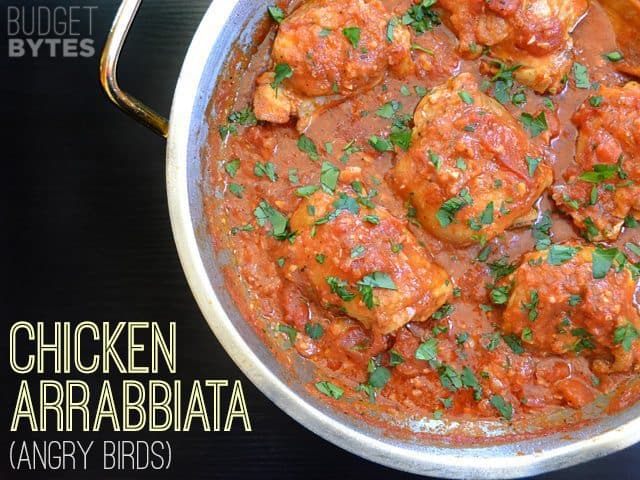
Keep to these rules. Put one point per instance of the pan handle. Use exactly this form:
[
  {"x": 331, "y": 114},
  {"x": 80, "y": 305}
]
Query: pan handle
[{"x": 109, "y": 65}]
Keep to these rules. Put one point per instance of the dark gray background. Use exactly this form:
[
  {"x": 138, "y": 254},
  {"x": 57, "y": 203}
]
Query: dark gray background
[{"x": 86, "y": 236}]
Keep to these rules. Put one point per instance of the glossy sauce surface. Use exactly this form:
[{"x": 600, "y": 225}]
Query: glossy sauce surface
[{"x": 467, "y": 332}]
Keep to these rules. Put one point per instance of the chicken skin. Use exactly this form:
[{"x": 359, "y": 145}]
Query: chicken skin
[
  {"x": 471, "y": 170},
  {"x": 329, "y": 50},
  {"x": 576, "y": 299},
  {"x": 363, "y": 261},
  {"x": 601, "y": 188},
  {"x": 535, "y": 34}
]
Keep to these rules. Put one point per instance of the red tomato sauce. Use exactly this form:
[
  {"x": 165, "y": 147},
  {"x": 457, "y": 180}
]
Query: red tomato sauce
[{"x": 475, "y": 373}]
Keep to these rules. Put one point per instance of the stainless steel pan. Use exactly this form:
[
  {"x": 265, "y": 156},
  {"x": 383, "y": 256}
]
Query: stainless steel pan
[{"x": 229, "y": 22}]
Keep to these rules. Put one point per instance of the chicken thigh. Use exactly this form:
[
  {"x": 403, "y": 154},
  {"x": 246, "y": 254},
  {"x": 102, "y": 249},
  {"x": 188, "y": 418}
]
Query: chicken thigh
[
  {"x": 357, "y": 258},
  {"x": 471, "y": 171},
  {"x": 601, "y": 188},
  {"x": 327, "y": 50},
  {"x": 535, "y": 34},
  {"x": 575, "y": 299}
]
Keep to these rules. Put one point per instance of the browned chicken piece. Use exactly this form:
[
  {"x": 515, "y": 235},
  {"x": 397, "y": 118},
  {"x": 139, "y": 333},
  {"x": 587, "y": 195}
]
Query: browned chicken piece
[
  {"x": 625, "y": 19},
  {"x": 471, "y": 170},
  {"x": 601, "y": 188},
  {"x": 535, "y": 34},
  {"x": 576, "y": 300},
  {"x": 363, "y": 261},
  {"x": 334, "y": 49}
]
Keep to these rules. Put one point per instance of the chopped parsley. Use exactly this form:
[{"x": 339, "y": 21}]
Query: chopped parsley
[
  {"x": 602, "y": 260},
  {"x": 330, "y": 390},
  {"x": 483, "y": 255},
  {"x": 420, "y": 48},
  {"x": 307, "y": 191},
  {"x": 584, "y": 341},
  {"x": 580, "y": 75},
  {"x": 329, "y": 177},
  {"x": 592, "y": 231},
  {"x": 486, "y": 218},
  {"x": 435, "y": 160},
  {"x": 232, "y": 167},
  {"x": 395, "y": 358},
  {"x": 603, "y": 172},
  {"x": 625, "y": 336},
  {"x": 533, "y": 164},
  {"x": 420, "y": 91},
  {"x": 421, "y": 17},
  {"x": 244, "y": 117},
  {"x": 339, "y": 287},
  {"x": 265, "y": 170},
  {"x": 344, "y": 203},
  {"x": 290, "y": 331},
  {"x": 353, "y": 35},
  {"x": 427, "y": 350},
  {"x": 502, "y": 268},
  {"x": 505, "y": 409},
  {"x": 633, "y": 248},
  {"x": 574, "y": 300},
  {"x": 438, "y": 329},
  {"x": 389, "y": 109},
  {"x": 514, "y": 343},
  {"x": 276, "y": 13},
  {"x": 391, "y": 26},
  {"x": 381, "y": 144},
  {"x": 614, "y": 56},
  {"x": 541, "y": 231},
  {"x": 503, "y": 82},
  {"x": 466, "y": 97},
  {"x": 244, "y": 228},
  {"x": 236, "y": 189},
  {"x": 305, "y": 144},
  {"x": 279, "y": 223},
  {"x": 371, "y": 281},
  {"x": 349, "y": 149},
  {"x": 631, "y": 222},
  {"x": 500, "y": 295},
  {"x": 282, "y": 72},
  {"x": 469, "y": 380},
  {"x": 449, "y": 378},
  {"x": 358, "y": 251},
  {"x": 444, "y": 311},
  {"x": 314, "y": 330},
  {"x": 548, "y": 103},
  {"x": 396, "y": 247},
  {"x": 559, "y": 254},
  {"x": 532, "y": 306},
  {"x": 535, "y": 125},
  {"x": 449, "y": 208},
  {"x": 401, "y": 139},
  {"x": 494, "y": 342},
  {"x": 378, "y": 378},
  {"x": 600, "y": 173},
  {"x": 595, "y": 100}
]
